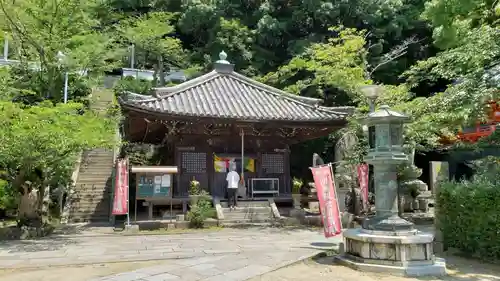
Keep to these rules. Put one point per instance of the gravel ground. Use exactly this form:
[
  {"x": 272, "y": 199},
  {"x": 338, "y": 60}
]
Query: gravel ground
[{"x": 459, "y": 269}]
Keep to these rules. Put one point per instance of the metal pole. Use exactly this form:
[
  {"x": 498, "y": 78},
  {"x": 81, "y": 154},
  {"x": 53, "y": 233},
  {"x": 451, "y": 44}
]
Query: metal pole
[
  {"x": 132, "y": 56},
  {"x": 127, "y": 176},
  {"x": 336, "y": 194},
  {"x": 5, "y": 47},
  {"x": 243, "y": 156},
  {"x": 171, "y": 210},
  {"x": 66, "y": 87}
]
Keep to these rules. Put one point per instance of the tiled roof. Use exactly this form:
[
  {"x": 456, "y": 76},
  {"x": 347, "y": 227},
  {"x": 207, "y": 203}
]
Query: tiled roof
[{"x": 226, "y": 94}]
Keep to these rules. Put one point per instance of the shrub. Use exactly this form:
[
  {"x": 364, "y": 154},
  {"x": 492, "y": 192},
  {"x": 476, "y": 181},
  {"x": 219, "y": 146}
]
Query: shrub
[
  {"x": 200, "y": 211},
  {"x": 130, "y": 84},
  {"x": 469, "y": 212}
]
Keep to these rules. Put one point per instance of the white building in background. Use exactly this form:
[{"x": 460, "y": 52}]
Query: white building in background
[{"x": 144, "y": 74}]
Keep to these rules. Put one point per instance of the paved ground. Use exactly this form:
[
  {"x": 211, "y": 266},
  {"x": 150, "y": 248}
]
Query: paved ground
[
  {"x": 459, "y": 269},
  {"x": 221, "y": 255}
]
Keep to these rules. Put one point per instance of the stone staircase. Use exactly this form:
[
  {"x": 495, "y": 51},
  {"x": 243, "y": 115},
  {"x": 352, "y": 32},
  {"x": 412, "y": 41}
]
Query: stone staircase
[
  {"x": 90, "y": 199},
  {"x": 247, "y": 213}
]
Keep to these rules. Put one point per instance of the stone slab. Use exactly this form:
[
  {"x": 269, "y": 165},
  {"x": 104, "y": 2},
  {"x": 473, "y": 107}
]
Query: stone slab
[
  {"x": 358, "y": 234},
  {"x": 436, "y": 269},
  {"x": 161, "y": 277}
]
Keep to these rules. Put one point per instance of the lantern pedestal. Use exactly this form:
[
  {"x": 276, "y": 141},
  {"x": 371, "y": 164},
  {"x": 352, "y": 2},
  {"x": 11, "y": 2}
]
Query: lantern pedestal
[
  {"x": 387, "y": 242},
  {"x": 404, "y": 253}
]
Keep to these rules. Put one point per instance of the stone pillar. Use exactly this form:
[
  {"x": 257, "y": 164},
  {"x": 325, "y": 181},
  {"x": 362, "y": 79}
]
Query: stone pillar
[
  {"x": 439, "y": 172},
  {"x": 386, "y": 201},
  {"x": 386, "y": 190}
]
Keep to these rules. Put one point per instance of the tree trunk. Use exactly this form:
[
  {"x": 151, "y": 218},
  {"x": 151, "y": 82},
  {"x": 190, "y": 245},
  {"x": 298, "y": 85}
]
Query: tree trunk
[
  {"x": 161, "y": 71},
  {"x": 28, "y": 208}
]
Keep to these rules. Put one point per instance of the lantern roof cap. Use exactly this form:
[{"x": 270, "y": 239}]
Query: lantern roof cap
[{"x": 384, "y": 114}]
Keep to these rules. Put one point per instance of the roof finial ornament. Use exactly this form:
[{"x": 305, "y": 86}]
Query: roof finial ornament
[
  {"x": 222, "y": 65},
  {"x": 222, "y": 55},
  {"x": 222, "y": 58}
]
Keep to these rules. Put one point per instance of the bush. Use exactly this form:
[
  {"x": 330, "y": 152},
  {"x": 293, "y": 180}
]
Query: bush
[
  {"x": 130, "y": 84},
  {"x": 469, "y": 212},
  {"x": 200, "y": 211}
]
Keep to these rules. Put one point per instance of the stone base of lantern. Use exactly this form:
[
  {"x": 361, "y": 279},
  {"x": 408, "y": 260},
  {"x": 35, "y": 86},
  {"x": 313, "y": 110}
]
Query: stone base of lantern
[{"x": 407, "y": 253}]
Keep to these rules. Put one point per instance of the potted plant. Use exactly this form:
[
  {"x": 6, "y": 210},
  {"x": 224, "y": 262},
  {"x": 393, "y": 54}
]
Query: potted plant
[
  {"x": 194, "y": 191},
  {"x": 296, "y": 186}
]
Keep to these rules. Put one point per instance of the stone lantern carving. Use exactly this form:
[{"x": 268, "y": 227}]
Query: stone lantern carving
[{"x": 386, "y": 241}]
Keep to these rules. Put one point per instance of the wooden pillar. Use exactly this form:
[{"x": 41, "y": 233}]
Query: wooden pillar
[
  {"x": 177, "y": 182},
  {"x": 287, "y": 177},
  {"x": 210, "y": 166}
]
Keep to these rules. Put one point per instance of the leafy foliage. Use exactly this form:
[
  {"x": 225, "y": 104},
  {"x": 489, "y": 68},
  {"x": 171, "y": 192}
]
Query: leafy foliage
[
  {"x": 332, "y": 70},
  {"x": 152, "y": 33},
  {"x": 130, "y": 84},
  {"x": 200, "y": 211},
  {"x": 39, "y": 143},
  {"x": 468, "y": 212},
  {"x": 42, "y": 29}
]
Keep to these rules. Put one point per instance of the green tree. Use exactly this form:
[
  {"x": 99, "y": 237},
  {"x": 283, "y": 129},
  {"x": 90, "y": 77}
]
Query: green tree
[
  {"x": 42, "y": 29},
  {"x": 332, "y": 71},
  {"x": 152, "y": 33},
  {"x": 38, "y": 145}
]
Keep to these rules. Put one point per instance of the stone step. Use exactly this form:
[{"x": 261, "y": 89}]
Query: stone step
[
  {"x": 88, "y": 176},
  {"x": 265, "y": 203},
  {"x": 95, "y": 206},
  {"x": 247, "y": 217},
  {"x": 245, "y": 223},
  {"x": 247, "y": 209},
  {"x": 96, "y": 172},
  {"x": 78, "y": 199},
  {"x": 94, "y": 218},
  {"x": 84, "y": 192},
  {"x": 105, "y": 162},
  {"x": 98, "y": 155},
  {"x": 251, "y": 213},
  {"x": 93, "y": 182},
  {"x": 96, "y": 168},
  {"x": 90, "y": 210},
  {"x": 89, "y": 199},
  {"x": 92, "y": 192}
]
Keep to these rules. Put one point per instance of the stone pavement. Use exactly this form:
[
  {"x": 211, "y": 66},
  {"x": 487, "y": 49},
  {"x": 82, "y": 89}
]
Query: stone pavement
[{"x": 221, "y": 255}]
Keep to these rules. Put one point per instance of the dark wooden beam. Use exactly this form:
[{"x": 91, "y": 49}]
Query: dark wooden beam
[{"x": 210, "y": 120}]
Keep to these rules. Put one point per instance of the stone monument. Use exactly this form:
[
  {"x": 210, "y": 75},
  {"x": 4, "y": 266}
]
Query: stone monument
[
  {"x": 387, "y": 242},
  {"x": 414, "y": 193}
]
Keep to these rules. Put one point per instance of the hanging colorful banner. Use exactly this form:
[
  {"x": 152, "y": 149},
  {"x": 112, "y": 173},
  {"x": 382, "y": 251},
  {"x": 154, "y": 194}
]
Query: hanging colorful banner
[
  {"x": 327, "y": 197},
  {"x": 363, "y": 184},
  {"x": 120, "y": 200},
  {"x": 222, "y": 164}
]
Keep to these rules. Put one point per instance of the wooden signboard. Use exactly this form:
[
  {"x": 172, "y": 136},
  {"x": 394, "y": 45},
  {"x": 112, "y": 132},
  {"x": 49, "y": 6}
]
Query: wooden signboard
[{"x": 154, "y": 186}]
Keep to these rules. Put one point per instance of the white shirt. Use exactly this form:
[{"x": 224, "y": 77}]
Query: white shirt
[{"x": 232, "y": 179}]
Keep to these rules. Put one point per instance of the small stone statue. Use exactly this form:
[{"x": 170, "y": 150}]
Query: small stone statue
[
  {"x": 354, "y": 202},
  {"x": 413, "y": 193}
]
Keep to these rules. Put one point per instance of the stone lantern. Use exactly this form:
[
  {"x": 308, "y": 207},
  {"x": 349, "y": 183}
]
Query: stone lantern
[
  {"x": 387, "y": 242},
  {"x": 385, "y": 156}
]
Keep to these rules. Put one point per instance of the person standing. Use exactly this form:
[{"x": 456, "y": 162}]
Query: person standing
[{"x": 233, "y": 179}]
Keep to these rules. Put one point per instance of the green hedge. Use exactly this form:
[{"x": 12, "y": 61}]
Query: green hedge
[{"x": 469, "y": 212}]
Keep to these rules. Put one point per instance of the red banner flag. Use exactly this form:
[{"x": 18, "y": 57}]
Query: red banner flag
[
  {"x": 363, "y": 184},
  {"x": 120, "y": 200},
  {"x": 330, "y": 213}
]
